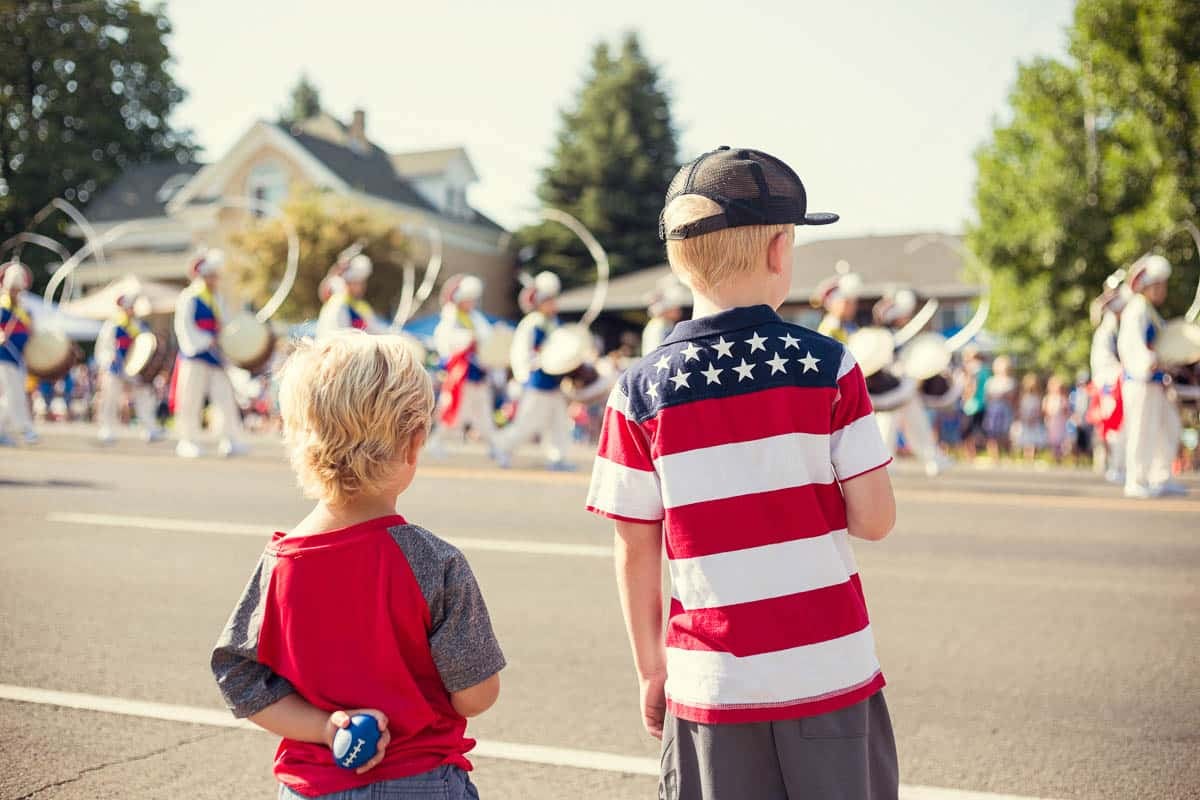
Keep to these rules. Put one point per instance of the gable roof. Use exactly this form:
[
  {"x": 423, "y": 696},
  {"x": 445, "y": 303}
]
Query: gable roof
[
  {"x": 141, "y": 191},
  {"x": 366, "y": 170},
  {"x": 916, "y": 260},
  {"x": 419, "y": 163}
]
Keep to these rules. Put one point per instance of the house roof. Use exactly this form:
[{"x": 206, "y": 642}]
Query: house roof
[
  {"x": 419, "y": 163},
  {"x": 920, "y": 261},
  {"x": 141, "y": 191},
  {"x": 368, "y": 170}
]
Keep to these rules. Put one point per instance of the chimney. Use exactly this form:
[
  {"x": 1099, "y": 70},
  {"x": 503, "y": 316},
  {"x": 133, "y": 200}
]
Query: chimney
[{"x": 358, "y": 131}]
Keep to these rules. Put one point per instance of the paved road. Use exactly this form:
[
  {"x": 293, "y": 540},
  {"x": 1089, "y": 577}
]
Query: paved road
[{"x": 1039, "y": 633}]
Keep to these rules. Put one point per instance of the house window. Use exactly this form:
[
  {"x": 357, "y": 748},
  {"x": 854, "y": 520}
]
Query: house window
[{"x": 267, "y": 183}]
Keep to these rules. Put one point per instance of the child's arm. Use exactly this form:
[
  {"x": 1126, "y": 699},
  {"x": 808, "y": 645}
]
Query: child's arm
[
  {"x": 293, "y": 717},
  {"x": 638, "y": 549},
  {"x": 474, "y": 700},
  {"x": 870, "y": 505}
]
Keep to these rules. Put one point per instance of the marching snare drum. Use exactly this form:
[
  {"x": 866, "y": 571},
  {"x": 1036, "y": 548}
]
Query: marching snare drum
[
  {"x": 566, "y": 349},
  {"x": 495, "y": 349},
  {"x": 149, "y": 356},
  {"x": 247, "y": 342},
  {"x": 1179, "y": 343},
  {"x": 873, "y": 348},
  {"x": 49, "y": 355}
]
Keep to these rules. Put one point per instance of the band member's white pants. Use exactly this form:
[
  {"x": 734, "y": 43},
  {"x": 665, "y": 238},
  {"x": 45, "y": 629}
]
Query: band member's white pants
[
  {"x": 144, "y": 404},
  {"x": 539, "y": 413},
  {"x": 1152, "y": 431},
  {"x": 911, "y": 420},
  {"x": 475, "y": 409},
  {"x": 197, "y": 379},
  {"x": 15, "y": 414}
]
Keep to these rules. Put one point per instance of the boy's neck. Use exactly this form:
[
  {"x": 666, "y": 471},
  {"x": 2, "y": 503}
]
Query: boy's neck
[
  {"x": 732, "y": 295},
  {"x": 324, "y": 517}
]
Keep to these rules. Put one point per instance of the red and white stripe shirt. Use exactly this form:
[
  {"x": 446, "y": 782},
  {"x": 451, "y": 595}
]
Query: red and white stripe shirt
[{"x": 735, "y": 434}]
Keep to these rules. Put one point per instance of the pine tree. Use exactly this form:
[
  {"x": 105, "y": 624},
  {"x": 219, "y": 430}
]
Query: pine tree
[
  {"x": 614, "y": 156},
  {"x": 303, "y": 102}
]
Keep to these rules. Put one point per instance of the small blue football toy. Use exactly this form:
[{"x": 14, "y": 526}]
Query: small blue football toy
[{"x": 355, "y": 745}]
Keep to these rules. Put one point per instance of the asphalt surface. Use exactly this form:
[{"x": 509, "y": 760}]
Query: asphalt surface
[{"x": 1039, "y": 633}]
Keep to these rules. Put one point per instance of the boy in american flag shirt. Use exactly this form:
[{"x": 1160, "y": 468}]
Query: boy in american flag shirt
[{"x": 749, "y": 447}]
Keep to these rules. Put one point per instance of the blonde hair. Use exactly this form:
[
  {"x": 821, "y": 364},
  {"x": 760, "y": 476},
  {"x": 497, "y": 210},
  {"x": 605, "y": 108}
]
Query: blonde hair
[
  {"x": 352, "y": 404},
  {"x": 713, "y": 258}
]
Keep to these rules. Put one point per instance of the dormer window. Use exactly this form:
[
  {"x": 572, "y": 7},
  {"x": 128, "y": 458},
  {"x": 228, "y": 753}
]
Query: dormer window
[{"x": 268, "y": 184}]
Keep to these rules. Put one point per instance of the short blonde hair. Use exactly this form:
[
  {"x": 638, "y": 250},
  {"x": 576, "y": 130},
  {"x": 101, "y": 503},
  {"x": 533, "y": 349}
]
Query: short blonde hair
[
  {"x": 709, "y": 260},
  {"x": 352, "y": 404}
]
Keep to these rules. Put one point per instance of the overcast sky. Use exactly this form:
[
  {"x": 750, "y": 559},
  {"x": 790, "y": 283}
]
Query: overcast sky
[{"x": 878, "y": 105}]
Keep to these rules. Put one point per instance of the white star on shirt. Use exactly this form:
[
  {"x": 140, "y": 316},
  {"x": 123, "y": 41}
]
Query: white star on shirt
[
  {"x": 723, "y": 348},
  {"x": 691, "y": 352},
  {"x": 663, "y": 363},
  {"x": 652, "y": 390},
  {"x": 745, "y": 371},
  {"x": 777, "y": 364},
  {"x": 756, "y": 342},
  {"x": 713, "y": 374},
  {"x": 680, "y": 379},
  {"x": 789, "y": 341},
  {"x": 810, "y": 363}
]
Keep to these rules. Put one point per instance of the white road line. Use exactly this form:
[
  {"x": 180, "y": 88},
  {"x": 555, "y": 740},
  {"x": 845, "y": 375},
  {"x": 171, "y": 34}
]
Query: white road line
[
  {"x": 523, "y": 546},
  {"x": 485, "y": 748}
]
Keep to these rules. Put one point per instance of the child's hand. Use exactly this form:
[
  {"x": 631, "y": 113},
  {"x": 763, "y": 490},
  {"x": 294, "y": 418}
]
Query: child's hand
[
  {"x": 654, "y": 703},
  {"x": 341, "y": 719}
]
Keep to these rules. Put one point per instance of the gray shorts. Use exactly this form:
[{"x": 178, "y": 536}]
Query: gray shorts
[
  {"x": 444, "y": 783},
  {"x": 848, "y": 754}
]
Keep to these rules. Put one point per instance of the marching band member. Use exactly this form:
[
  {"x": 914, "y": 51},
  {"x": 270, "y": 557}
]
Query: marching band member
[
  {"x": 200, "y": 367},
  {"x": 909, "y": 419},
  {"x": 346, "y": 307},
  {"x": 839, "y": 297},
  {"x": 16, "y": 326},
  {"x": 666, "y": 309},
  {"x": 112, "y": 347},
  {"x": 542, "y": 409},
  {"x": 1106, "y": 375},
  {"x": 466, "y": 396},
  {"x": 1152, "y": 435}
]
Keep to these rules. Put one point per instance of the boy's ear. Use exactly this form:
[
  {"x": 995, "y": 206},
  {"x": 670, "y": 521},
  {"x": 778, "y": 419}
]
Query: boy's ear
[
  {"x": 777, "y": 253},
  {"x": 415, "y": 444}
]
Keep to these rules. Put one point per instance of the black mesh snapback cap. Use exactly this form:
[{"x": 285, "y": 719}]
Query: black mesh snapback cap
[{"x": 751, "y": 187}]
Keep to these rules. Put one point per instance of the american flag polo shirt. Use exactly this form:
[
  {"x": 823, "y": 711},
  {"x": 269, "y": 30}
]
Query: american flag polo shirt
[{"x": 735, "y": 434}]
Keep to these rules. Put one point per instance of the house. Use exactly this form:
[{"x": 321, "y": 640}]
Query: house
[
  {"x": 931, "y": 264},
  {"x": 168, "y": 209}
]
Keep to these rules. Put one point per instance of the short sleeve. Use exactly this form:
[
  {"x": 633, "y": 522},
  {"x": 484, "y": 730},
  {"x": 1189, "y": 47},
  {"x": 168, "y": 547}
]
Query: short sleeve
[
  {"x": 464, "y": 646},
  {"x": 247, "y": 684},
  {"x": 625, "y": 485},
  {"x": 856, "y": 446}
]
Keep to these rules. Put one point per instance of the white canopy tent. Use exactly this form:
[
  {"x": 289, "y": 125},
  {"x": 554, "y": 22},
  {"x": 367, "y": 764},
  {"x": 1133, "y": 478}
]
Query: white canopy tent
[
  {"x": 101, "y": 303},
  {"x": 79, "y": 329}
]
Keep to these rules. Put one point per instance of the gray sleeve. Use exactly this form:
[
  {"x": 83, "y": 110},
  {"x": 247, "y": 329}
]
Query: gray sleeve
[
  {"x": 247, "y": 685},
  {"x": 461, "y": 639}
]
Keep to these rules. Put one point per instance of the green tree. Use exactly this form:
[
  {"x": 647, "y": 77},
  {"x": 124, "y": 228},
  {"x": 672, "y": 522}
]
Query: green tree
[
  {"x": 614, "y": 156},
  {"x": 326, "y": 225},
  {"x": 304, "y": 102},
  {"x": 1097, "y": 165},
  {"x": 85, "y": 90}
]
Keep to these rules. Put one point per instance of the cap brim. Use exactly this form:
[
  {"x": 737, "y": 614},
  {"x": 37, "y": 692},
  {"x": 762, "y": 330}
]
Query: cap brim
[{"x": 820, "y": 218}]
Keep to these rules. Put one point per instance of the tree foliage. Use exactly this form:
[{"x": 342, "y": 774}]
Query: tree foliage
[
  {"x": 614, "y": 155},
  {"x": 85, "y": 90},
  {"x": 1099, "y": 163},
  {"x": 326, "y": 225},
  {"x": 303, "y": 102}
]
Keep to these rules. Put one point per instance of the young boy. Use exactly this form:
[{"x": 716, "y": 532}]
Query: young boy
[
  {"x": 750, "y": 445},
  {"x": 356, "y": 606}
]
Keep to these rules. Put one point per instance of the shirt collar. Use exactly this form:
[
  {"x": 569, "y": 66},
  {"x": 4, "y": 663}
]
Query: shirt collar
[{"x": 731, "y": 320}]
